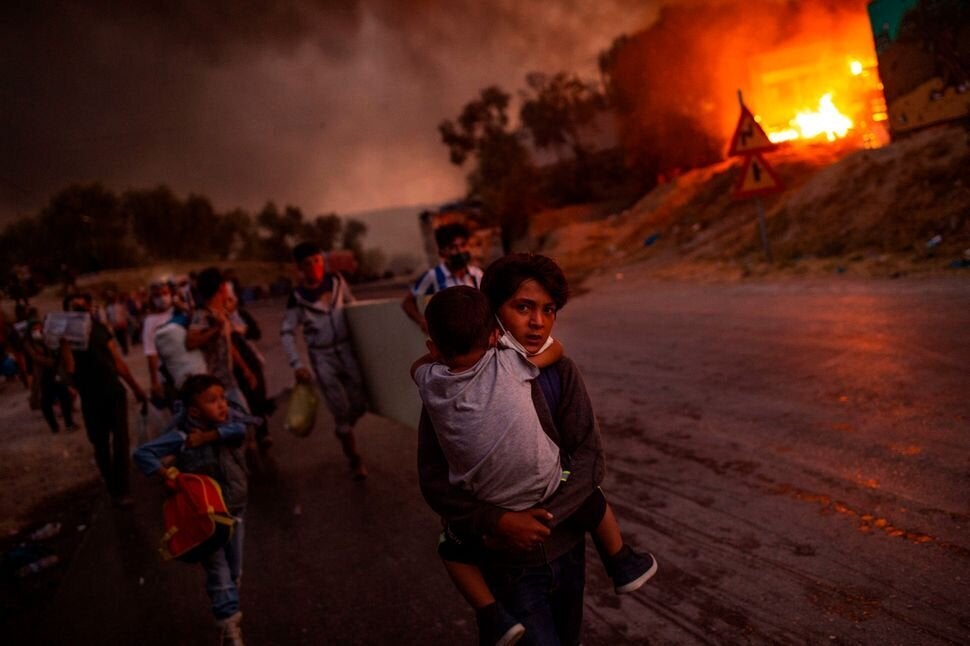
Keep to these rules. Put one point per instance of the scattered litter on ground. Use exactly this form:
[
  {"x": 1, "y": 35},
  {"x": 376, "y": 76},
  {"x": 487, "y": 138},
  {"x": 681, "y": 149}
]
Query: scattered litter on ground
[
  {"x": 47, "y": 531},
  {"x": 41, "y": 564}
]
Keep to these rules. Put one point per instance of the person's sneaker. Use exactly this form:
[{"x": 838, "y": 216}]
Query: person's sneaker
[
  {"x": 630, "y": 570},
  {"x": 497, "y": 627},
  {"x": 231, "y": 631}
]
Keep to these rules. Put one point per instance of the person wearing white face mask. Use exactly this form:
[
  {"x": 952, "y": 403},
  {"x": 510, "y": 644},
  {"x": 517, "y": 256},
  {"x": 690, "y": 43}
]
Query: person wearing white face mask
[{"x": 160, "y": 295}]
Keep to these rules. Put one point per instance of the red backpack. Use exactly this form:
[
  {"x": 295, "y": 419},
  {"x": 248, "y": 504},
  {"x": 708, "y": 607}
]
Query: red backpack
[{"x": 197, "y": 522}]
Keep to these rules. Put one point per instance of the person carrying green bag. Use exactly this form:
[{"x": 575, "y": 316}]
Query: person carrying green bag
[
  {"x": 301, "y": 414},
  {"x": 317, "y": 307}
]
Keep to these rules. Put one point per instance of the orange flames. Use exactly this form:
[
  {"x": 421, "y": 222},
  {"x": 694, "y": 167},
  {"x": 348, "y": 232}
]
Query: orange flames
[
  {"x": 851, "y": 105},
  {"x": 809, "y": 124}
]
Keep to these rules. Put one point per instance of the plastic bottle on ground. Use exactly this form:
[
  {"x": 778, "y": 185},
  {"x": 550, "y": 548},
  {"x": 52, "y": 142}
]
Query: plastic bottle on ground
[{"x": 38, "y": 566}]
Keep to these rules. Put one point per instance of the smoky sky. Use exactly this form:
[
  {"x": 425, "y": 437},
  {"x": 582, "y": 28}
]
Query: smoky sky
[{"x": 330, "y": 106}]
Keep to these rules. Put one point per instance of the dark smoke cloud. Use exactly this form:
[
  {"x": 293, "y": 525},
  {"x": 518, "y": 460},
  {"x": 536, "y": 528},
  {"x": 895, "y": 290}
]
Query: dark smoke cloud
[{"x": 328, "y": 105}]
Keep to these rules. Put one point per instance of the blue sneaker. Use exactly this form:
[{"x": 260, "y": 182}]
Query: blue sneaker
[
  {"x": 630, "y": 570},
  {"x": 496, "y": 627}
]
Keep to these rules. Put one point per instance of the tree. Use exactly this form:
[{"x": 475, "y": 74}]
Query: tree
[
  {"x": 86, "y": 228},
  {"x": 281, "y": 229},
  {"x": 238, "y": 228},
  {"x": 353, "y": 239},
  {"x": 557, "y": 109},
  {"x": 204, "y": 237},
  {"x": 157, "y": 220},
  {"x": 504, "y": 177},
  {"x": 324, "y": 230},
  {"x": 481, "y": 121}
]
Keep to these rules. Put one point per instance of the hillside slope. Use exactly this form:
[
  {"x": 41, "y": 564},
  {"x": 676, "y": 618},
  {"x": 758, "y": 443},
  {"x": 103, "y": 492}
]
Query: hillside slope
[{"x": 868, "y": 211}]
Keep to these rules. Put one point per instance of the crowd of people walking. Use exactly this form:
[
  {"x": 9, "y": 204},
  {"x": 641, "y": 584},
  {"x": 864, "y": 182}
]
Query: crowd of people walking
[{"x": 509, "y": 453}]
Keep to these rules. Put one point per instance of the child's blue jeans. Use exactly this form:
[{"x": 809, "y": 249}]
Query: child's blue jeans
[{"x": 222, "y": 571}]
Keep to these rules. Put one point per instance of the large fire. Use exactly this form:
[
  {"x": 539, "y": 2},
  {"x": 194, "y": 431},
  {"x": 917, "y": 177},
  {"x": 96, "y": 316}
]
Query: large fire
[
  {"x": 809, "y": 124},
  {"x": 849, "y": 102}
]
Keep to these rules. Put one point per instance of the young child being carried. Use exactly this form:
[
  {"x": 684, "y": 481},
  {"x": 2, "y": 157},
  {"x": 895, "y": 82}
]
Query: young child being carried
[
  {"x": 479, "y": 398},
  {"x": 206, "y": 437}
]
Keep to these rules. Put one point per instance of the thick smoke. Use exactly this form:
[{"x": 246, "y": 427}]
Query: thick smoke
[
  {"x": 328, "y": 105},
  {"x": 678, "y": 79}
]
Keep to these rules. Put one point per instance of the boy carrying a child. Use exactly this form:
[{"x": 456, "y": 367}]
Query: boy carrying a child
[{"x": 477, "y": 393}]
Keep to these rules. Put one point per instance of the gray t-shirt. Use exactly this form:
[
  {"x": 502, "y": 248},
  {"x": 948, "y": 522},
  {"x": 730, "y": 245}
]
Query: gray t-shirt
[{"x": 489, "y": 430}]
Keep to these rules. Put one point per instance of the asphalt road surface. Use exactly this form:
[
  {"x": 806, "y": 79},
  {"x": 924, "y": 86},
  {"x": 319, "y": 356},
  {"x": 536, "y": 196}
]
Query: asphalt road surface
[{"x": 795, "y": 454}]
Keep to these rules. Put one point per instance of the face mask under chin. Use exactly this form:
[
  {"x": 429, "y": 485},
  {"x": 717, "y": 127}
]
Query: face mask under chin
[{"x": 509, "y": 341}]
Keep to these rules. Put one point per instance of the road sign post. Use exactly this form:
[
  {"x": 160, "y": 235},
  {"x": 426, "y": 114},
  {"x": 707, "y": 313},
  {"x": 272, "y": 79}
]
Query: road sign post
[
  {"x": 763, "y": 227},
  {"x": 757, "y": 177}
]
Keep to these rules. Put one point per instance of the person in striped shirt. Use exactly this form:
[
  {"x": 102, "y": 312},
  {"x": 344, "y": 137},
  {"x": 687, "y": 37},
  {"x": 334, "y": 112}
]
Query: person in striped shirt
[{"x": 454, "y": 269}]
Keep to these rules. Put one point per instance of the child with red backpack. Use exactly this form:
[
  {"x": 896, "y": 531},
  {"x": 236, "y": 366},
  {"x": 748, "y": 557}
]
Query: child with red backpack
[{"x": 206, "y": 437}]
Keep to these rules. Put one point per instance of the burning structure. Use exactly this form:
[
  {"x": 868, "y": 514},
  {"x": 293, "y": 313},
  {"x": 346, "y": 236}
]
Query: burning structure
[
  {"x": 809, "y": 71},
  {"x": 822, "y": 89}
]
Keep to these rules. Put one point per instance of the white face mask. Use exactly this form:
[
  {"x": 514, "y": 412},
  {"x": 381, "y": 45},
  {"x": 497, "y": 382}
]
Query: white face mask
[{"x": 509, "y": 341}]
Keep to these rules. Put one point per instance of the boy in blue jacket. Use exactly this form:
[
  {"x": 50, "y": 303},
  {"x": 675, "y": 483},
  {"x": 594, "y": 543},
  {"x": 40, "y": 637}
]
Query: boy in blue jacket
[{"x": 206, "y": 437}]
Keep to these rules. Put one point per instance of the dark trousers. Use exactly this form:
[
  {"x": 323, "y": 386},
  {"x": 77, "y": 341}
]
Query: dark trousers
[
  {"x": 106, "y": 422},
  {"x": 121, "y": 334},
  {"x": 547, "y": 599},
  {"x": 51, "y": 392}
]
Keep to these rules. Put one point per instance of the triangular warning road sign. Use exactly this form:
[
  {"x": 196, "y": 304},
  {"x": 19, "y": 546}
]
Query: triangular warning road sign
[
  {"x": 749, "y": 136},
  {"x": 757, "y": 178}
]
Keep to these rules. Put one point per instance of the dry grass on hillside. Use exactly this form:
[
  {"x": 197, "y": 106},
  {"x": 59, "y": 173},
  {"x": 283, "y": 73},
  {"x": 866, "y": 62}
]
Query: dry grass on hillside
[{"x": 877, "y": 208}]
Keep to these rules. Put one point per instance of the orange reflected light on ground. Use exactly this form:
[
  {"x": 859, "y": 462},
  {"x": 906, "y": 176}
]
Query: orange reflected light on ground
[
  {"x": 906, "y": 449},
  {"x": 867, "y": 523}
]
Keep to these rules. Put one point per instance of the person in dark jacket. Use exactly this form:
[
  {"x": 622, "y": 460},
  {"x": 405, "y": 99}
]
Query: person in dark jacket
[
  {"x": 536, "y": 568},
  {"x": 99, "y": 370}
]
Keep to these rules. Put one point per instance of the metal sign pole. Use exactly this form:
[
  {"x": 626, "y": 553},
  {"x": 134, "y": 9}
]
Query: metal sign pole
[{"x": 764, "y": 230}]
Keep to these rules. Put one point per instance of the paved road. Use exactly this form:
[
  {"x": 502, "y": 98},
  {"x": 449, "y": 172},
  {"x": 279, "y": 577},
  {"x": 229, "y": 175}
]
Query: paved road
[{"x": 796, "y": 455}]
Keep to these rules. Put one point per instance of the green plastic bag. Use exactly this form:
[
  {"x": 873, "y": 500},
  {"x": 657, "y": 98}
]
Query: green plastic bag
[{"x": 302, "y": 411}]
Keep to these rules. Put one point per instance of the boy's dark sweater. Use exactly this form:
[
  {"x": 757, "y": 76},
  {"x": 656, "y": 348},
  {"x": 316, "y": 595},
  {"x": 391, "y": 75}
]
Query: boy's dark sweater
[{"x": 573, "y": 428}]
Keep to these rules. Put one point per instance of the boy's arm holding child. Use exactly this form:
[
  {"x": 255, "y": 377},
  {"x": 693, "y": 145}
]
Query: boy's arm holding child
[{"x": 549, "y": 356}]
